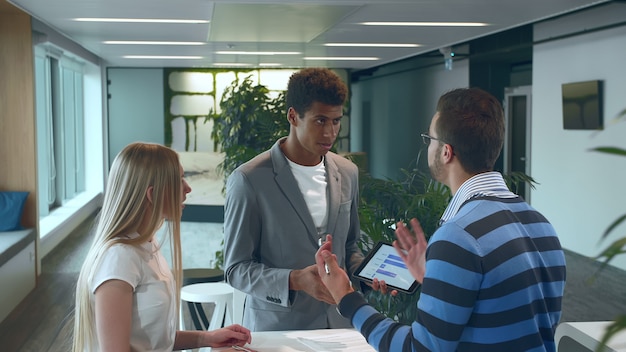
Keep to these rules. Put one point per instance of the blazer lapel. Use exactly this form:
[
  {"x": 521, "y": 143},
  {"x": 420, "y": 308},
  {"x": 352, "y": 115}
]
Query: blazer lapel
[{"x": 289, "y": 186}]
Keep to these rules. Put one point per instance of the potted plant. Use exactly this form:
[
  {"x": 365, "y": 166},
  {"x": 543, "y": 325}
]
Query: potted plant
[{"x": 250, "y": 122}]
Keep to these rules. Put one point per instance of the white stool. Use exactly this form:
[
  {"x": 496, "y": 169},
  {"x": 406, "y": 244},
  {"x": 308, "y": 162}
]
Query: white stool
[
  {"x": 239, "y": 299},
  {"x": 219, "y": 293}
]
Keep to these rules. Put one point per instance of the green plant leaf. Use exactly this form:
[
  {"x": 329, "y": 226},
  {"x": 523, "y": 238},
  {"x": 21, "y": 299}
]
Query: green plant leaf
[
  {"x": 616, "y": 248},
  {"x": 515, "y": 178},
  {"x": 615, "y": 223},
  {"x": 610, "y": 150},
  {"x": 616, "y": 326}
]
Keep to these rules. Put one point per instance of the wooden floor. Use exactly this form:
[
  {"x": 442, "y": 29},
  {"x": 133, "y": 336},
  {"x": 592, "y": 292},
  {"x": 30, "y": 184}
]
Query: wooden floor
[{"x": 43, "y": 322}]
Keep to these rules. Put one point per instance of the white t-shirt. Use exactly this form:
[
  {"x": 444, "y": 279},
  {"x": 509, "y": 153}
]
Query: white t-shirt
[
  {"x": 154, "y": 320},
  {"x": 312, "y": 183}
]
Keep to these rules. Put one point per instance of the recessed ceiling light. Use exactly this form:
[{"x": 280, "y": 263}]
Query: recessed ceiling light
[
  {"x": 141, "y": 42},
  {"x": 137, "y": 20},
  {"x": 427, "y": 24},
  {"x": 257, "y": 52},
  {"x": 374, "y": 45},
  {"x": 230, "y": 64},
  {"x": 342, "y": 58},
  {"x": 269, "y": 64},
  {"x": 162, "y": 57}
]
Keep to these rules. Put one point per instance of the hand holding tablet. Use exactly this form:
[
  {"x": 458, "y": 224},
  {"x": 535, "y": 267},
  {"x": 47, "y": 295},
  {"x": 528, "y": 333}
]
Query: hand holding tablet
[{"x": 384, "y": 263}]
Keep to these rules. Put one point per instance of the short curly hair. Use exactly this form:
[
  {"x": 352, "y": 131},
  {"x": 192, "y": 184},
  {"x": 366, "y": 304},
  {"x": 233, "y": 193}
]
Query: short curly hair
[{"x": 311, "y": 85}]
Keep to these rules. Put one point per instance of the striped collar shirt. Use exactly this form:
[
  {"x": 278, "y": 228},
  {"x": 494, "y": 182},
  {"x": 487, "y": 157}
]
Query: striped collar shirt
[{"x": 483, "y": 184}]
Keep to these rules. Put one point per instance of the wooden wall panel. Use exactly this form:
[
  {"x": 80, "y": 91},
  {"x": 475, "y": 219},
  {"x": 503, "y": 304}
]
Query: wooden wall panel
[{"x": 18, "y": 162}]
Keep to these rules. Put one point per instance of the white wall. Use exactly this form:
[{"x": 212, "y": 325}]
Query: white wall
[
  {"x": 580, "y": 192},
  {"x": 135, "y": 107}
]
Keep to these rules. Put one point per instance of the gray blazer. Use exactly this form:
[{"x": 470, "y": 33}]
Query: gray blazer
[{"x": 269, "y": 231}]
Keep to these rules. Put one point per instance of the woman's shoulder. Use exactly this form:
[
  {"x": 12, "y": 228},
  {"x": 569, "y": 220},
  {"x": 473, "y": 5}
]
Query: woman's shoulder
[
  {"x": 128, "y": 252},
  {"x": 121, "y": 261}
]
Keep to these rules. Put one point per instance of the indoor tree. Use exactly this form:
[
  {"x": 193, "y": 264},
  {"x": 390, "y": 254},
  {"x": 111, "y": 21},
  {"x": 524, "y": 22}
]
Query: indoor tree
[{"x": 249, "y": 123}]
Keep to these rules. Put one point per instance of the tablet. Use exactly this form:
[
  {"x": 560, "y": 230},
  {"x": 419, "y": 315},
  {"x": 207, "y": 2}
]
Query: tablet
[{"x": 384, "y": 263}]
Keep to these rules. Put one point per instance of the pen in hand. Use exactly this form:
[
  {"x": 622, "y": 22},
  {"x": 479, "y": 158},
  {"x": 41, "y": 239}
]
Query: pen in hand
[{"x": 320, "y": 242}]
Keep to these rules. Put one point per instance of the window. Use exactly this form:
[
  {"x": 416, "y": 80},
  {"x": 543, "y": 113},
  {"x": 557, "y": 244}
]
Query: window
[{"x": 60, "y": 128}]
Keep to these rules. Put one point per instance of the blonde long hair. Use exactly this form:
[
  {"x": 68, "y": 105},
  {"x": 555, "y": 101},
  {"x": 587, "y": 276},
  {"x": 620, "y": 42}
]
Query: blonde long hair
[{"x": 125, "y": 207}]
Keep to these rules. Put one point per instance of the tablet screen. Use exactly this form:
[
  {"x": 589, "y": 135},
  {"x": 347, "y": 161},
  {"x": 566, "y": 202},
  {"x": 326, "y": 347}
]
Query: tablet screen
[{"x": 384, "y": 263}]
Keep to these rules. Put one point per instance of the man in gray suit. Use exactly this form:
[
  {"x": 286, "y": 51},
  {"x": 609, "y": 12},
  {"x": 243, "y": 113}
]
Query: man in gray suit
[{"x": 280, "y": 205}]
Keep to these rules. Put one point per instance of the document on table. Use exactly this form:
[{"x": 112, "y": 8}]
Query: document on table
[
  {"x": 321, "y": 340},
  {"x": 336, "y": 340}
]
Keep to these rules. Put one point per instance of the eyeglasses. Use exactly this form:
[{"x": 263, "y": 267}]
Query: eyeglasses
[{"x": 426, "y": 138}]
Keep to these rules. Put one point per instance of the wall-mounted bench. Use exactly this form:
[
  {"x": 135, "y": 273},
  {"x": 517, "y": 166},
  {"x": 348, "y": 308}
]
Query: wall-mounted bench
[{"x": 17, "y": 268}]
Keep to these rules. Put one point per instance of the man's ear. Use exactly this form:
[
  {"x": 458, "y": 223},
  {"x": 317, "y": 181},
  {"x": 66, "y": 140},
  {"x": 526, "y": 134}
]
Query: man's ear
[
  {"x": 292, "y": 116},
  {"x": 149, "y": 193},
  {"x": 447, "y": 153}
]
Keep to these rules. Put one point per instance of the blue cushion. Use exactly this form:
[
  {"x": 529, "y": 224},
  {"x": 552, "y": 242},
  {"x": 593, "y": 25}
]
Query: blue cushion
[{"x": 11, "y": 206}]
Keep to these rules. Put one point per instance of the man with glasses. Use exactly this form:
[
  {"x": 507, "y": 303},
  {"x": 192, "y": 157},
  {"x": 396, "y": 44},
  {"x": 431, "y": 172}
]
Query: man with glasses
[{"x": 492, "y": 274}]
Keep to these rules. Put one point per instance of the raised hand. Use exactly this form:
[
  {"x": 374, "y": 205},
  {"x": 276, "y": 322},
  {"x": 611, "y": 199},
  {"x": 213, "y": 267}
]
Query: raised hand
[{"x": 411, "y": 247}]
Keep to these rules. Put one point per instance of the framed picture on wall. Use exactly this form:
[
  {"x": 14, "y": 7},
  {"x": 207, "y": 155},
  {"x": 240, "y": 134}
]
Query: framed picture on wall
[{"x": 582, "y": 105}]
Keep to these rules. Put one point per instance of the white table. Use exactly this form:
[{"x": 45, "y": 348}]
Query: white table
[
  {"x": 328, "y": 340},
  {"x": 569, "y": 337},
  {"x": 585, "y": 336}
]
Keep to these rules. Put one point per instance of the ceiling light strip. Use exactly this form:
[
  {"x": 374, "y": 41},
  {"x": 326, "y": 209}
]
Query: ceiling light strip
[
  {"x": 258, "y": 53},
  {"x": 163, "y": 57},
  {"x": 138, "y": 20},
  {"x": 230, "y": 64},
  {"x": 340, "y": 58},
  {"x": 143, "y": 42},
  {"x": 427, "y": 24},
  {"x": 373, "y": 45}
]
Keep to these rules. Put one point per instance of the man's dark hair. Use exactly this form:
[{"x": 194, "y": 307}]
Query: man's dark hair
[
  {"x": 472, "y": 121},
  {"x": 315, "y": 84}
]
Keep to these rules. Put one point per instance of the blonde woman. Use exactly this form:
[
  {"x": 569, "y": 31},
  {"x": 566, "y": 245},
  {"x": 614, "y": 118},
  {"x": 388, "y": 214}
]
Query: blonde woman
[{"x": 126, "y": 295}]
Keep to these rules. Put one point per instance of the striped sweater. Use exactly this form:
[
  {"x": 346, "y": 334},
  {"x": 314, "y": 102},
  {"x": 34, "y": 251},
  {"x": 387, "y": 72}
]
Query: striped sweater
[{"x": 494, "y": 282}]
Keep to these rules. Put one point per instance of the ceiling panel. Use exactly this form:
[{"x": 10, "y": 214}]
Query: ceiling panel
[
  {"x": 303, "y": 26},
  {"x": 277, "y": 23}
]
